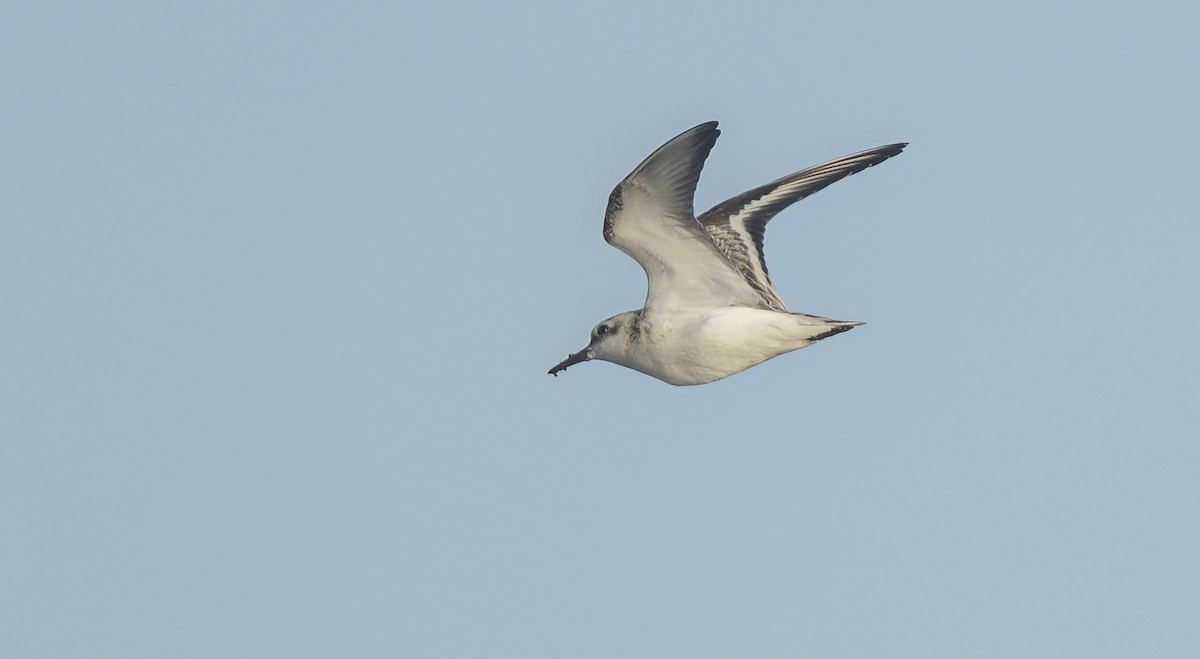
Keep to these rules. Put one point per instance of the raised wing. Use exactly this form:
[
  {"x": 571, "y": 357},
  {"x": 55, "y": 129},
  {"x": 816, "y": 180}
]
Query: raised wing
[
  {"x": 650, "y": 217},
  {"x": 737, "y": 225}
]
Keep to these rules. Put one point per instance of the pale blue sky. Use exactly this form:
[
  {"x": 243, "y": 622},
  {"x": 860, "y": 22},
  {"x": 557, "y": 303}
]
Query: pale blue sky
[{"x": 281, "y": 283}]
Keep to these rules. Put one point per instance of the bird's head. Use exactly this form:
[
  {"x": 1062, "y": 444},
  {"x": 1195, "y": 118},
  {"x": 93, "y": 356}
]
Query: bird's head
[{"x": 611, "y": 339}]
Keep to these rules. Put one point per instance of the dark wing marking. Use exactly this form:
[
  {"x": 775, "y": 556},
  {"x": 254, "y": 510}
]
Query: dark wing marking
[
  {"x": 650, "y": 217},
  {"x": 737, "y": 225}
]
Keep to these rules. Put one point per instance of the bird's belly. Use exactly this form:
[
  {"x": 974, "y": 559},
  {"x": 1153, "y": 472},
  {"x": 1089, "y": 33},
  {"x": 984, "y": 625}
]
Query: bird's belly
[{"x": 716, "y": 347}]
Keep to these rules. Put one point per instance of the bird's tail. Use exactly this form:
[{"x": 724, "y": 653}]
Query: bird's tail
[{"x": 823, "y": 328}]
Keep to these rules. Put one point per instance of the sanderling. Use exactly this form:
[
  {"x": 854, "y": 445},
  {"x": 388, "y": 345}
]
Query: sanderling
[{"x": 711, "y": 310}]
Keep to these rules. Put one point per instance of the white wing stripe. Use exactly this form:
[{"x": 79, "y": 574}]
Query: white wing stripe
[
  {"x": 650, "y": 217},
  {"x": 737, "y": 225}
]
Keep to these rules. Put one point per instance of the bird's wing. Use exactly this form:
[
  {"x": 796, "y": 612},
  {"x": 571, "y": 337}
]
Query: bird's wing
[
  {"x": 737, "y": 225},
  {"x": 650, "y": 217}
]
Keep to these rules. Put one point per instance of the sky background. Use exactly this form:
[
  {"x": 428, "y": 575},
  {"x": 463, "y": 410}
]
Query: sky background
[{"x": 280, "y": 284}]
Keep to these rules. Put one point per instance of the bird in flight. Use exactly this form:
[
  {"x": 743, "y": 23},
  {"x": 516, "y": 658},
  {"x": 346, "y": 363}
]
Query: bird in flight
[{"x": 711, "y": 310}]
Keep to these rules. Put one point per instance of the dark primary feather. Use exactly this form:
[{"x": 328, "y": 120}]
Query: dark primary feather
[{"x": 748, "y": 213}]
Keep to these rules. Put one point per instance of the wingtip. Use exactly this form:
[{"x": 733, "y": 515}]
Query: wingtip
[
  {"x": 706, "y": 127},
  {"x": 881, "y": 153}
]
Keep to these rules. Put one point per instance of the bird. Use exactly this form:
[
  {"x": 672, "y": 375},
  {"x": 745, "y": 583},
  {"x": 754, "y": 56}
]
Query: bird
[{"x": 711, "y": 310}]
